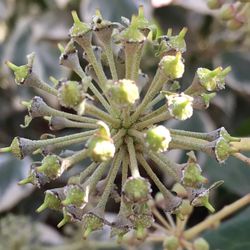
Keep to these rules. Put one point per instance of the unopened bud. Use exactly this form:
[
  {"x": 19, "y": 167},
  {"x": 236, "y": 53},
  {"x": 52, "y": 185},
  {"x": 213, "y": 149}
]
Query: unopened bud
[
  {"x": 172, "y": 66},
  {"x": 158, "y": 138},
  {"x": 171, "y": 243},
  {"x": 201, "y": 244},
  {"x": 51, "y": 201}
]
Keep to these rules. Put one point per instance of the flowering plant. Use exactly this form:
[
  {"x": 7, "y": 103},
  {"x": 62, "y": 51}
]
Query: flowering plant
[{"x": 123, "y": 132}]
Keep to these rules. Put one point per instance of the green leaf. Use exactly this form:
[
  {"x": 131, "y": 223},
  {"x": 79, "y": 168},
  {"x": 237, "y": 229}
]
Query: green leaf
[
  {"x": 12, "y": 171},
  {"x": 234, "y": 172},
  {"x": 232, "y": 234}
]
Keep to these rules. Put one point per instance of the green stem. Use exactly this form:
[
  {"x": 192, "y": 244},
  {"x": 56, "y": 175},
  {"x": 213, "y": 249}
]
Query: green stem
[
  {"x": 188, "y": 143},
  {"x": 203, "y": 136},
  {"x": 153, "y": 176},
  {"x": 132, "y": 157},
  {"x": 96, "y": 92},
  {"x": 125, "y": 164},
  {"x": 157, "y": 112},
  {"x": 159, "y": 118},
  {"x": 119, "y": 135},
  {"x": 165, "y": 164},
  {"x": 157, "y": 99},
  {"x": 96, "y": 112},
  {"x": 110, "y": 180},
  {"x": 75, "y": 158},
  {"x": 5, "y": 150},
  {"x": 242, "y": 145},
  {"x": 155, "y": 87},
  {"x": 137, "y": 62},
  {"x": 87, "y": 171},
  {"x": 55, "y": 112},
  {"x": 109, "y": 53}
]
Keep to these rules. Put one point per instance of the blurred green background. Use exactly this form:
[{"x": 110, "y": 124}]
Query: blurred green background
[{"x": 38, "y": 25}]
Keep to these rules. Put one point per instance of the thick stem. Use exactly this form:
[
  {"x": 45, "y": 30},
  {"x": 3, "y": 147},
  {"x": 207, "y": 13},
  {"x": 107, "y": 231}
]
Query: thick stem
[
  {"x": 156, "y": 112},
  {"x": 119, "y": 135},
  {"x": 187, "y": 143},
  {"x": 132, "y": 157},
  {"x": 242, "y": 158},
  {"x": 213, "y": 219},
  {"x": 157, "y": 99},
  {"x": 125, "y": 164},
  {"x": 242, "y": 145}
]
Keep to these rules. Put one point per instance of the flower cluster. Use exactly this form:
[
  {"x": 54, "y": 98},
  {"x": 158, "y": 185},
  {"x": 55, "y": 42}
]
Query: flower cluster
[
  {"x": 233, "y": 13},
  {"x": 117, "y": 107}
]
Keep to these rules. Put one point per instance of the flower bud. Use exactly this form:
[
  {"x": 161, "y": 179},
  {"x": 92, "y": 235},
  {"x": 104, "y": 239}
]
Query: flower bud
[
  {"x": 124, "y": 92},
  {"x": 51, "y": 201},
  {"x": 201, "y": 244},
  {"x": 100, "y": 145},
  {"x": 136, "y": 190},
  {"x": 184, "y": 210},
  {"x": 22, "y": 72},
  {"x": 191, "y": 173},
  {"x": 222, "y": 150},
  {"x": 172, "y": 44},
  {"x": 66, "y": 218},
  {"x": 172, "y": 66},
  {"x": 171, "y": 243},
  {"x": 180, "y": 106},
  {"x": 91, "y": 222},
  {"x": 227, "y": 12},
  {"x": 158, "y": 138},
  {"x": 74, "y": 195},
  {"x": 80, "y": 32},
  {"x": 141, "y": 222},
  {"x": 70, "y": 94},
  {"x": 51, "y": 167},
  {"x": 212, "y": 80}
]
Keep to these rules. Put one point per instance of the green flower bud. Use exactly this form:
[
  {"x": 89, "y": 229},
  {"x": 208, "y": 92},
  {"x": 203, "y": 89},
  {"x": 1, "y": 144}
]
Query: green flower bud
[
  {"x": 212, "y": 80},
  {"x": 136, "y": 190},
  {"x": 22, "y": 72},
  {"x": 51, "y": 201},
  {"x": 191, "y": 173},
  {"x": 74, "y": 195},
  {"x": 172, "y": 66},
  {"x": 158, "y": 138},
  {"x": 51, "y": 167},
  {"x": 214, "y": 4},
  {"x": 142, "y": 222},
  {"x": 222, "y": 150},
  {"x": 91, "y": 222},
  {"x": 184, "y": 210},
  {"x": 66, "y": 218},
  {"x": 70, "y": 94},
  {"x": 171, "y": 243},
  {"x": 180, "y": 106},
  {"x": 79, "y": 28},
  {"x": 227, "y": 12},
  {"x": 201, "y": 244},
  {"x": 124, "y": 92},
  {"x": 172, "y": 44},
  {"x": 101, "y": 149}
]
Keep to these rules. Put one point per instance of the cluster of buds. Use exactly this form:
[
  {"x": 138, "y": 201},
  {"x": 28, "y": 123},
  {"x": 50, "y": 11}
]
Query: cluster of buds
[
  {"x": 121, "y": 128},
  {"x": 234, "y": 13}
]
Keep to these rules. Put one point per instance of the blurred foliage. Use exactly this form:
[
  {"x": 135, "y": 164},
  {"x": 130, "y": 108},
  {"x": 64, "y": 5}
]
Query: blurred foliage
[{"x": 38, "y": 26}]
